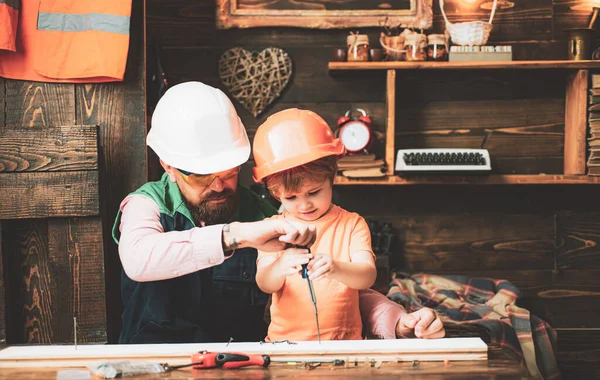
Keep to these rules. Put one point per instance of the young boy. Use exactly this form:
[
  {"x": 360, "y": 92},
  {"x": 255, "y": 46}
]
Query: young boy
[{"x": 296, "y": 157}]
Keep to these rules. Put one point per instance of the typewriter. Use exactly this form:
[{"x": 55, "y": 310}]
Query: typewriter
[{"x": 443, "y": 160}]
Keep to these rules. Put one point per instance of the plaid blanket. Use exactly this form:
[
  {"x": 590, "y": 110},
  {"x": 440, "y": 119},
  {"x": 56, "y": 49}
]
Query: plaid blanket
[{"x": 488, "y": 304}]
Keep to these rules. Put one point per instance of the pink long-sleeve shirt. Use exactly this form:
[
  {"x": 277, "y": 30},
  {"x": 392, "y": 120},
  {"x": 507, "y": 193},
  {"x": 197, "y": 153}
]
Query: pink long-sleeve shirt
[{"x": 148, "y": 253}]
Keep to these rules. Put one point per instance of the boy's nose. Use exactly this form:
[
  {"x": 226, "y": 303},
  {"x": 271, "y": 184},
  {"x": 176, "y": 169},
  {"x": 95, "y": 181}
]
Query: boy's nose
[{"x": 306, "y": 206}]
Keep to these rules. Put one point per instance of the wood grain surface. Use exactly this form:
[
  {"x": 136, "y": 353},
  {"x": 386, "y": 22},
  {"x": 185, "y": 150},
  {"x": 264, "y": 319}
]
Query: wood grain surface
[
  {"x": 63, "y": 188},
  {"x": 499, "y": 366}
]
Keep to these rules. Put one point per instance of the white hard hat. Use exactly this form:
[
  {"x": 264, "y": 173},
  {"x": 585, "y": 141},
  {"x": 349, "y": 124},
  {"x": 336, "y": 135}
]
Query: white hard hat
[{"x": 196, "y": 128}]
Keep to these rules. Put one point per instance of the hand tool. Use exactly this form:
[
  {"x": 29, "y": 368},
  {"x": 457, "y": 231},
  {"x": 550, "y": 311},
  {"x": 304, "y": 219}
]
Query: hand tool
[
  {"x": 312, "y": 294},
  {"x": 231, "y": 360},
  {"x": 75, "y": 332},
  {"x": 228, "y": 360}
]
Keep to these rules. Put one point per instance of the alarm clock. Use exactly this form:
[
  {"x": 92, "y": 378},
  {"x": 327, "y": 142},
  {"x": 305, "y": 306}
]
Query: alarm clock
[{"x": 355, "y": 132}]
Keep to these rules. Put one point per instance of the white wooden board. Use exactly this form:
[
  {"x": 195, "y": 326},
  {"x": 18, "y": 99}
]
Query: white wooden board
[{"x": 391, "y": 350}]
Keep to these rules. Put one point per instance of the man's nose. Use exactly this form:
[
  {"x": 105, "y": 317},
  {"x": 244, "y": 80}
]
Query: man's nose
[{"x": 217, "y": 185}]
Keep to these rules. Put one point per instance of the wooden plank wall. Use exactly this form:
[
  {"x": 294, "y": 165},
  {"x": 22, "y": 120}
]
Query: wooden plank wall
[
  {"x": 55, "y": 267},
  {"x": 543, "y": 238}
]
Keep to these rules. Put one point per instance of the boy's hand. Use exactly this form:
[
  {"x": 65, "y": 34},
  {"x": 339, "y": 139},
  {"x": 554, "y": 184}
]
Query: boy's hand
[
  {"x": 291, "y": 260},
  {"x": 321, "y": 266}
]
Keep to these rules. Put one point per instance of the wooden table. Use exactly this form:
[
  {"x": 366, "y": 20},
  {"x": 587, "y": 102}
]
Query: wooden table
[{"x": 498, "y": 366}]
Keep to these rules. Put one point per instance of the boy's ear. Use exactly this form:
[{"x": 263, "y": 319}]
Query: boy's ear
[{"x": 273, "y": 193}]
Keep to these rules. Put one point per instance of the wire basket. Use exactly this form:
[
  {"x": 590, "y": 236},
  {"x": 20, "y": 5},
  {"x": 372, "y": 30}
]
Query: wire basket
[{"x": 470, "y": 32}]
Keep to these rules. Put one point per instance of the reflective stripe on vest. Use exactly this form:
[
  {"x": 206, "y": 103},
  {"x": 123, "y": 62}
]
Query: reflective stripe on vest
[{"x": 83, "y": 23}]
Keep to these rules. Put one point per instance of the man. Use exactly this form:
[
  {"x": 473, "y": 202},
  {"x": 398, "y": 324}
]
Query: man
[{"x": 188, "y": 242}]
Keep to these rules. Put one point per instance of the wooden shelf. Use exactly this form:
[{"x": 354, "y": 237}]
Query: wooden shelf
[
  {"x": 576, "y": 99},
  {"x": 493, "y": 179},
  {"x": 424, "y": 65}
]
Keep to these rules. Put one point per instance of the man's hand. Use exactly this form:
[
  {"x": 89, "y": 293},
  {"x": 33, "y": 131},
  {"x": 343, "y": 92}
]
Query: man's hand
[
  {"x": 268, "y": 235},
  {"x": 423, "y": 323}
]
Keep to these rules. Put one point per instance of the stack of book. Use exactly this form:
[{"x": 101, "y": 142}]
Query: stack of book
[
  {"x": 593, "y": 162},
  {"x": 361, "y": 165}
]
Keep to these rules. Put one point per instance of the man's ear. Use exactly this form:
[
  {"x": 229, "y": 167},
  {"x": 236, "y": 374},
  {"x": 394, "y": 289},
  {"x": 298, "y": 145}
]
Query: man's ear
[{"x": 171, "y": 171}]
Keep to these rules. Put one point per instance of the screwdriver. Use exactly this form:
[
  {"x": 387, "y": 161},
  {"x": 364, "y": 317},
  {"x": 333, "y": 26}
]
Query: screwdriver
[
  {"x": 231, "y": 360},
  {"x": 312, "y": 294}
]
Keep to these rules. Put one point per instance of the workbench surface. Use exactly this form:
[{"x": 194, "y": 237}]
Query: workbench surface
[{"x": 498, "y": 366}]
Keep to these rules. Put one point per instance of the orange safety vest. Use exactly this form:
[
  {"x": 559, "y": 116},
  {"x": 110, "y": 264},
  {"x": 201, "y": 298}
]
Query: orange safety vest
[
  {"x": 9, "y": 15},
  {"x": 69, "y": 41}
]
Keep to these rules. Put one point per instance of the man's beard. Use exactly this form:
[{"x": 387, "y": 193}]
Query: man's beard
[{"x": 217, "y": 213}]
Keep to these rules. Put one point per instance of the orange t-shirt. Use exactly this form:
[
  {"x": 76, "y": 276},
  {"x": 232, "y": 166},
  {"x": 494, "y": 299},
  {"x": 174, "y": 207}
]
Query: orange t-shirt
[{"x": 340, "y": 233}]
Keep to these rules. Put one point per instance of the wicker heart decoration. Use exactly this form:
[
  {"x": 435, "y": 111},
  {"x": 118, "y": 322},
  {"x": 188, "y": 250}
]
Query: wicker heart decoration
[{"x": 255, "y": 79}]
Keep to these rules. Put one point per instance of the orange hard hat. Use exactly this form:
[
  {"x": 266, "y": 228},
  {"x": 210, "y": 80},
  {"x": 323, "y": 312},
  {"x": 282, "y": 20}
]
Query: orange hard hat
[{"x": 291, "y": 138}]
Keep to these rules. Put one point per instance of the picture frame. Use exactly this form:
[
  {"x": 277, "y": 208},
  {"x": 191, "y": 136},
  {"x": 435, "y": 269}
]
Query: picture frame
[{"x": 324, "y": 14}]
